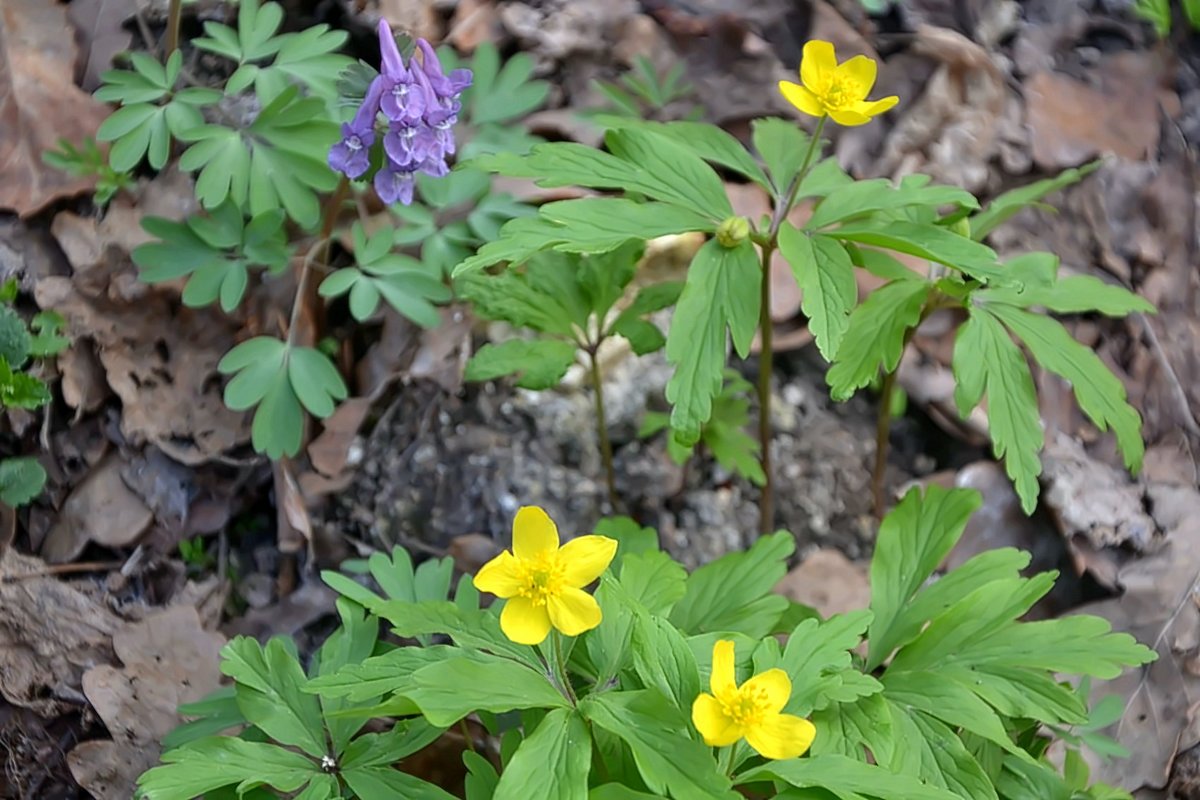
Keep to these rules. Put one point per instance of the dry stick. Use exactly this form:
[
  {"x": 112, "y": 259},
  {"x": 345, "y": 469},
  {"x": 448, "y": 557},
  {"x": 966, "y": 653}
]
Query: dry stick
[
  {"x": 766, "y": 503},
  {"x": 606, "y": 452}
]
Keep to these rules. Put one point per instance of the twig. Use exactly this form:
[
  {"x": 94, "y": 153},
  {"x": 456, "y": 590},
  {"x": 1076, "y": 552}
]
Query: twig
[
  {"x": 65, "y": 569},
  {"x": 323, "y": 243}
]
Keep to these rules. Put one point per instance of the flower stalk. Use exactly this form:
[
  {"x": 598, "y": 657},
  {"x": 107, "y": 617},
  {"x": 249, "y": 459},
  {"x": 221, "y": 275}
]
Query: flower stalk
[{"x": 602, "y": 437}]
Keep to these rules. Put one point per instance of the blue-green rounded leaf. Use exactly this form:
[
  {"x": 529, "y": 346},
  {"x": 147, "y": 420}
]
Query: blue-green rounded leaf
[
  {"x": 252, "y": 351},
  {"x": 315, "y": 380},
  {"x": 159, "y": 148},
  {"x": 234, "y": 285},
  {"x": 339, "y": 282},
  {"x": 124, "y": 120},
  {"x": 279, "y": 421},
  {"x": 364, "y": 299}
]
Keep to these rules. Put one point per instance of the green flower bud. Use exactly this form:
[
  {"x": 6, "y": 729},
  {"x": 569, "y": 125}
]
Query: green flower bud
[
  {"x": 962, "y": 227},
  {"x": 733, "y": 231}
]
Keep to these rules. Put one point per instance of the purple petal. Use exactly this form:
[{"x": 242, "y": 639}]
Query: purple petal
[
  {"x": 393, "y": 64},
  {"x": 460, "y": 79},
  {"x": 364, "y": 118},
  {"x": 394, "y": 185}
]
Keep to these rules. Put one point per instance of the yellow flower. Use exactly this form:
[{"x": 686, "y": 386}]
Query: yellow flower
[
  {"x": 839, "y": 90},
  {"x": 544, "y": 582},
  {"x": 750, "y": 711}
]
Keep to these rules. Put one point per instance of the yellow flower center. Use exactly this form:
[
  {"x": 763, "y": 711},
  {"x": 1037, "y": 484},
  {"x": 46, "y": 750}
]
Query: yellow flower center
[
  {"x": 746, "y": 705},
  {"x": 541, "y": 578},
  {"x": 841, "y": 92}
]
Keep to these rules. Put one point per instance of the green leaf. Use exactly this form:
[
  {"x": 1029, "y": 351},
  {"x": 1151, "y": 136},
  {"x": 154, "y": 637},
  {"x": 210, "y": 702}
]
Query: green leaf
[
  {"x": 914, "y": 538},
  {"x": 510, "y": 296},
  {"x": 385, "y": 783},
  {"x": 481, "y": 778},
  {"x": 722, "y": 290},
  {"x": 47, "y": 339},
  {"x": 499, "y": 95},
  {"x": 875, "y": 335},
  {"x": 269, "y": 694},
  {"x": 538, "y": 363},
  {"x": 842, "y": 774},
  {"x": 825, "y": 274},
  {"x": 782, "y": 145},
  {"x": 928, "y": 748},
  {"x": 217, "y": 712},
  {"x": 380, "y": 675},
  {"x": 448, "y": 691},
  {"x": 641, "y": 162},
  {"x": 704, "y": 140},
  {"x": 862, "y": 198},
  {"x": 208, "y": 764},
  {"x": 734, "y": 593},
  {"x": 663, "y": 660},
  {"x": 1006, "y": 205},
  {"x": 315, "y": 380},
  {"x": 817, "y": 659},
  {"x": 21, "y": 480},
  {"x": 986, "y": 360},
  {"x": 15, "y": 342},
  {"x": 20, "y": 390},
  {"x": 1099, "y": 393},
  {"x": 553, "y": 762},
  {"x": 933, "y": 242},
  {"x": 655, "y": 731}
]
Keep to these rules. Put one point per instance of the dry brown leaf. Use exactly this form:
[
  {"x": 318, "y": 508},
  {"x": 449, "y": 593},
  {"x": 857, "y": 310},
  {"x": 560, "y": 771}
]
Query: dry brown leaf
[
  {"x": 162, "y": 363},
  {"x": 293, "y": 524},
  {"x": 100, "y": 29},
  {"x": 829, "y": 582},
  {"x": 474, "y": 22},
  {"x": 444, "y": 350},
  {"x": 101, "y": 509},
  {"x": 1159, "y": 607},
  {"x": 169, "y": 659},
  {"x": 1071, "y": 121},
  {"x": 50, "y": 632},
  {"x": 39, "y": 104},
  {"x": 330, "y": 452}
]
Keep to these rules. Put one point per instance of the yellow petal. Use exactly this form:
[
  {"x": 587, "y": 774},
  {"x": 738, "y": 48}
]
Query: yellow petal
[
  {"x": 573, "y": 611},
  {"x": 500, "y": 576},
  {"x": 585, "y": 558},
  {"x": 801, "y": 98},
  {"x": 876, "y": 107},
  {"x": 781, "y": 736},
  {"x": 709, "y": 718},
  {"x": 524, "y": 622},
  {"x": 817, "y": 64},
  {"x": 848, "y": 118},
  {"x": 860, "y": 71},
  {"x": 775, "y": 684},
  {"x": 723, "y": 679},
  {"x": 534, "y": 533}
]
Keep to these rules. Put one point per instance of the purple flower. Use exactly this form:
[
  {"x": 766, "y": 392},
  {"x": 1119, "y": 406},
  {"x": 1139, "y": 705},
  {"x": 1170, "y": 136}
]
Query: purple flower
[
  {"x": 395, "y": 183},
  {"x": 406, "y": 92},
  {"x": 446, "y": 88},
  {"x": 352, "y": 155},
  {"x": 408, "y": 144}
]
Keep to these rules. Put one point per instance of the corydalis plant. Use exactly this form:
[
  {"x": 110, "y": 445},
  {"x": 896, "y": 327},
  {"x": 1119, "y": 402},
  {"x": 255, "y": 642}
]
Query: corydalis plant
[{"x": 419, "y": 104}]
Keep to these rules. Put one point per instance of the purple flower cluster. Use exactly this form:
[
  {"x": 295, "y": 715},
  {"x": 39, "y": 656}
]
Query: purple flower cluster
[{"x": 420, "y": 103}]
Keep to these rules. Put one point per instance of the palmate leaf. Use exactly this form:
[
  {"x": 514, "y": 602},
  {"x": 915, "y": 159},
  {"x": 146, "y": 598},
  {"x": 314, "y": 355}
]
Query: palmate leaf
[
  {"x": 269, "y": 693},
  {"x": 733, "y": 593},
  {"x": 1006, "y": 205},
  {"x": 21, "y": 480},
  {"x": 270, "y": 164},
  {"x": 640, "y": 162},
  {"x": 722, "y": 291},
  {"x": 188, "y": 772},
  {"x": 282, "y": 380},
  {"x": 553, "y": 761},
  {"x": 707, "y": 141},
  {"x": 847, "y": 778},
  {"x": 825, "y": 274},
  {"x": 538, "y": 363},
  {"x": 863, "y": 198},
  {"x": 875, "y": 334},
  {"x": 928, "y": 241},
  {"x": 1099, "y": 393},
  {"x": 987, "y": 361}
]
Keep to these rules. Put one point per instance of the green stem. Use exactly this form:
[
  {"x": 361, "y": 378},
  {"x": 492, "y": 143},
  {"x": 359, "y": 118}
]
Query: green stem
[
  {"x": 323, "y": 244},
  {"x": 725, "y": 760},
  {"x": 766, "y": 500},
  {"x": 783, "y": 206},
  {"x": 606, "y": 453},
  {"x": 883, "y": 425},
  {"x": 174, "y": 13},
  {"x": 560, "y": 667}
]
